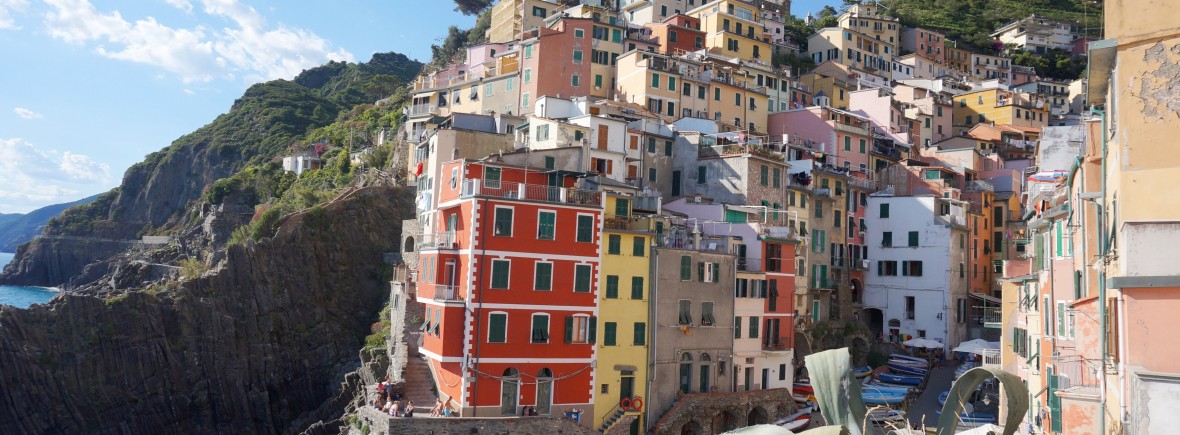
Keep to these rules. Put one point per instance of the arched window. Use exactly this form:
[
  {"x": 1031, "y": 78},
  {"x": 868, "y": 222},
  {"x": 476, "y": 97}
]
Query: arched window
[
  {"x": 706, "y": 368},
  {"x": 686, "y": 373},
  {"x": 408, "y": 246}
]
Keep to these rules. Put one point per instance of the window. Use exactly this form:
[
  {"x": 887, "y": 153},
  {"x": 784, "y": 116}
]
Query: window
[
  {"x": 909, "y": 307},
  {"x": 716, "y": 94},
  {"x": 764, "y": 175},
  {"x": 528, "y": 75},
  {"x": 911, "y": 268},
  {"x": 887, "y": 268},
  {"x": 503, "y": 225},
  {"x": 685, "y": 317},
  {"x": 577, "y": 56},
  {"x": 580, "y": 329},
  {"x": 778, "y": 177},
  {"x": 651, "y": 174},
  {"x": 707, "y": 314},
  {"x": 491, "y": 178},
  {"x": 737, "y": 327},
  {"x": 498, "y": 328},
  {"x": 613, "y": 242},
  {"x": 913, "y": 238},
  {"x": 582, "y": 278},
  {"x": 701, "y": 174},
  {"x": 612, "y": 287},
  {"x": 639, "y": 337},
  {"x": 575, "y": 80},
  {"x": 579, "y": 33},
  {"x": 671, "y": 83},
  {"x": 543, "y": 276},
  {"x": 637, "y": 288},
  {"x": 685, "y": 268},
  {"x": 585, "y": 229},
  {"x": 540, "y": 328},
  {"x": 884, "y": 211},
  {"x": 655, "y": 80},
  {"x": 847, "y": 143},
  {"x": 538, "y": 12},
  {"x": 598, "y": 81},
  {"x": 753, "y": 326},
  {"x": 546, "y": 225},
  {"x": 637, "y": 246},
  {"x": 862, "y": 146},
  {"x": 887, "y": 239},
  {"x": 608, "y": 333},
  {"x": 500, "y": 269}
]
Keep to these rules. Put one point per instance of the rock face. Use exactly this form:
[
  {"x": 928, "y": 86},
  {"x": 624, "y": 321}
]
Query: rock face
[
  {"x": 54, "y": 260},
  {"x": 257, "y": 345}
]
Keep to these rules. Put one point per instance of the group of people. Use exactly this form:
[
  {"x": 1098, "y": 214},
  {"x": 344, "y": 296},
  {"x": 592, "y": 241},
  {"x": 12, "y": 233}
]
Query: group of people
[
  {"x": 389, "y": 401},
  {"x": 442, "y": 408}
]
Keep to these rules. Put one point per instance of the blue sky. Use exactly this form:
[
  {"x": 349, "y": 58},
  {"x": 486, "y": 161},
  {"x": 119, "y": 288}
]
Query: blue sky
[{"x": 91, "y": 86}]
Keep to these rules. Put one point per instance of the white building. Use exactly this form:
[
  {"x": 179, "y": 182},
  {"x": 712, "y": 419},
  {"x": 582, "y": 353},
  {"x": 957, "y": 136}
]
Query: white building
[
  {"x": 1039, "y": 34},
  {"x": 917, "y": 281},
  {"x": 301, "y": 162}
]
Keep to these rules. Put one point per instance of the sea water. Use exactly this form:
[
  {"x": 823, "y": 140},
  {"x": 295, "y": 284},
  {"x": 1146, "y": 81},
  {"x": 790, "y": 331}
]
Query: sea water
[{"x": 21, "y": 296}]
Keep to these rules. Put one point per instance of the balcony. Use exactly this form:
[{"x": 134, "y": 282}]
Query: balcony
[
  {"x": 860, "y": 264},
  {"x": 992, "y": 318},
  {"x": 443, "y": 293},
  {"x": 851, "y": 129},
  {"x": 437, "y": 241},
  {"x": 532, "y": 192},
  {"x": 750, "y": 265},
  {"x": 839, "y": 262},
  {"x": 824, "y": 192},
  {"x": 991, "y": 358},
  {"x": 775, "y": 346},
  {"x": 1077, "y": 375},
  {"x": 980, "y": 186},
  {"x": 960, "y": 221},
  {"x": 628, "y": 223},
  {"x": 421, "y": 110}
]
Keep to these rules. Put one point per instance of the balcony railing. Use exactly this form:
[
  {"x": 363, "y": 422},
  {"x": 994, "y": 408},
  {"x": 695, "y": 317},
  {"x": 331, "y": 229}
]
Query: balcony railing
[
  {"x": 750, "y": 265},
  {"x": 992, "y": 318},
  {"x": 951, "y": 220},
  {"x": 532, "y": 192},
  {"x": 437, "y": 240},
  {"x": 421, "y": 109},
  {"x": 775, "y": 346},
  {"x": 446, "y": 293},
  {"x": 628, "y": 223},
  {"x": 1074, "y": 372},
  {"x": 825, "y": 192},
  {"x": 980, "y": 186},
  {"x": 991, "y": 358},
  {"x": 839, "y": 262},
  {"x": 706, "y": 245}
]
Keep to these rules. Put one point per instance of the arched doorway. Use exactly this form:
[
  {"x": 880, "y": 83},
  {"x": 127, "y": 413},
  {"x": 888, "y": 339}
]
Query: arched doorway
[
  {"x": 706, "y": 370},
  {"x": 756, "y": 416},
  {"x": 544, "y": 391},
  {"x": 686, "y": 373},
  {"x": 408, "y": 246},
  {"x": 894, "y": 331},
  {"x": 876, "y": 320},
  {"x": 509, "y": 391},
  {"x": 691, "y": 428}
]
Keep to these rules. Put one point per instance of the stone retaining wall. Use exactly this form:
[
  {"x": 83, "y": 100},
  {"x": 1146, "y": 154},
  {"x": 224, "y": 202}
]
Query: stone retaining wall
[{"x": 381, "y": 424}]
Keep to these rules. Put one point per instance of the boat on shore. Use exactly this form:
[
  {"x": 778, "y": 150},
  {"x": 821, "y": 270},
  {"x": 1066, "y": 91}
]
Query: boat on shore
[
  {"x": 900, "y": 379},
  {"x": 908, "y": 369},
  {"x": 797, "y": 420},
  {"x": 881, "y": 397}
]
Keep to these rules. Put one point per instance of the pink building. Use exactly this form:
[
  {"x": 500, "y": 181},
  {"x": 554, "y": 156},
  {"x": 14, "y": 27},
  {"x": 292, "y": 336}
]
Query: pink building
[
  {"x": 840, "y": 136},
  {"x": 923, "y": 42},
  {"x": 556, "y": 61}
]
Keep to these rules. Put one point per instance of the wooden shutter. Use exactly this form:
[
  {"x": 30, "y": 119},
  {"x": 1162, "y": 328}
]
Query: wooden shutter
[{"x": 569, "y": 329}]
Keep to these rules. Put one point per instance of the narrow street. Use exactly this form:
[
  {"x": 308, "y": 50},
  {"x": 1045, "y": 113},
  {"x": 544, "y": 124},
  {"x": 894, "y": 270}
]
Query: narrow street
[{"x": 924, "y": 409}]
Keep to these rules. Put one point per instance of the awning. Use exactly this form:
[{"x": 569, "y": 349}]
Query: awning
[
  {"x": 743, "y": 209},
  {"x": 985, "y": 298},
  {"x": 1102, "y": 55}
]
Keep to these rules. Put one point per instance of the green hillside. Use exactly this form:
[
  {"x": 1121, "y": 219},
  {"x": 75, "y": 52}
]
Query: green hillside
[{"x": 971, "y": 22}]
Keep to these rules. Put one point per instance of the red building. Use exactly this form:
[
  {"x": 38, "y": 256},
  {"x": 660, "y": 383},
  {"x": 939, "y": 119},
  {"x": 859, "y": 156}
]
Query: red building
[
  {"x": 508, "y": 281},
  {"x": 780, "y": 298},
  {"x": 556, "y": 60},
  {"x": 678, "y": 33}
]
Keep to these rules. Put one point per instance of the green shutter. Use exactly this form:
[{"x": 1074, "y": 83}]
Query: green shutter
[
  {"x": 593, "y": 335},
  {"x": 640, "y": 337},
  {"x": 585, "y": 229},
  {"x": 613, "y": 242},
  {"x": 497, "y": 329},
  {"x": 637, "y": 287},
  {"x": 637, "y": 248},
  {"x": 546, "y": 225},
  {"x": 668, "y": 148},
  {"x": 500, "y": 274},
  {"x": 608, "y": 334},
  {"x": 612, "y": 286},
  {"x": 685, "y": 268},
  {"x": 581, "y": 278},
  {"x": 544, "y": 277},
  {"x": 701, "y": 174},
  {"x": 701, "y": 271},
  {"x": 622, "y": 207},
  {"x": 1054, "y": 402},
  {"x": 569, "y": 329},
  {"x": 884, "y": 210},
  {"x": 737, "y": 327},
  {"x": 913, "y": 238}
]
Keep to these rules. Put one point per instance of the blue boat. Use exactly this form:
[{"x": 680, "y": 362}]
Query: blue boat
[
  {"x": 911, "y": 359},
  {"x": 909, "y": 370},
  {"x": 885, "y": 389},
  {"x": 900, "y": 379},
  {"x": 942, "y": 397},
  {"x": 861, "y": 372},
  {"x": 882, "y": 397}
]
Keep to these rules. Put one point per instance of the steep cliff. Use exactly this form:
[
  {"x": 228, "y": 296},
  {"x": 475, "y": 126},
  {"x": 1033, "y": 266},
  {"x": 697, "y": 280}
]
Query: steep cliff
[{"x": 255, "y": 346}]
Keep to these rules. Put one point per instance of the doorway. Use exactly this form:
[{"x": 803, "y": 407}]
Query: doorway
[
  {"x": 509, "y": 391},
  {"x": 544, "y": 391}
]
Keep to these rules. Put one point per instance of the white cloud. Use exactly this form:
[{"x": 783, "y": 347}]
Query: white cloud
[
  {"x": 26, "y": 113},
  {"x": 183, "y": 5},
  {"x": 7, "y": 7},
  {"x": 34, "y": 178},
  {"x": 249, "y": 49}
]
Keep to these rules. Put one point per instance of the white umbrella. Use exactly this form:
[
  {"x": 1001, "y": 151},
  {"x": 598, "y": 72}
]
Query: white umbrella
[
  {"x": 977, "y": 346},
  {"x": 922, "y": 342}
]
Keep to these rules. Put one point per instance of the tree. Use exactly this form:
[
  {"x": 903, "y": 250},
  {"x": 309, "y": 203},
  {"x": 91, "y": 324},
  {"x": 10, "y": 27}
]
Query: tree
[
  {"x": 828, "y": 11},
  {"x": 472, "y": 7}
]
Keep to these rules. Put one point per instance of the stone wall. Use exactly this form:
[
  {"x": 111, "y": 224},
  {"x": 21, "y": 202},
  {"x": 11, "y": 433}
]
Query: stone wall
[
  {"x": 381, "y": 424},
  {"x": 702, "y": 413}
]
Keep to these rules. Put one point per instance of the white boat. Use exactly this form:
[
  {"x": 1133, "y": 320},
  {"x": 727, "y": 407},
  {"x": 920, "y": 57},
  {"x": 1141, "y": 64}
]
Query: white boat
[
  {"x": 882, "y": 416},
  {"x": 797, "y": 420}
]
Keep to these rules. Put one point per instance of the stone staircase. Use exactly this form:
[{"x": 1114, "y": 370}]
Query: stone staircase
[
  {"x": 419, "y": 385},
  {"x": 611, "y": 419}
]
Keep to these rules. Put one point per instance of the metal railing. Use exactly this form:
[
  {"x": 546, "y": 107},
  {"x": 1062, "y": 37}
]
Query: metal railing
[
  {"x": 437, "y": 240},
  {"x": 445, "y": 293},
  {"x": 992, "y": 317},
  {"x": 825, "y": 192},
  {"x": 532, "y": 192},
  {"x": 628, "y": 223},
  {"x": 991, "y": 358},
  {"x": 421, "y": 109},
  {"x": 1076, "y": 372},
  {"x": 750, "y": 265}
]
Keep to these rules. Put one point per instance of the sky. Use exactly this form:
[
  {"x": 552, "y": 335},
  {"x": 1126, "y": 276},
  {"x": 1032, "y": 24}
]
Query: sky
[{"x": 89, "y": 87}]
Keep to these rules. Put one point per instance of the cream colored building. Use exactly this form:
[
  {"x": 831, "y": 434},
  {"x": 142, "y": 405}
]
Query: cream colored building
[{"x": 511, "y": 18}]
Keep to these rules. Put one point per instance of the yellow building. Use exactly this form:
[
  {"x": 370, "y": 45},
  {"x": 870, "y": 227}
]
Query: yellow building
[
  {"x": 733, "y": 29},
  {"x": 626, "y": 282},
  {"x": 510, "y": 18},
  {"x": 998, "y": 106}
]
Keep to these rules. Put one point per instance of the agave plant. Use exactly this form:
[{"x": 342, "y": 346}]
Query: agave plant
[{"x": 838, "y": 395}]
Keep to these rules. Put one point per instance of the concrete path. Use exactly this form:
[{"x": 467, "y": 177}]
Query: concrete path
[{"x": 927, "y": 403}]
